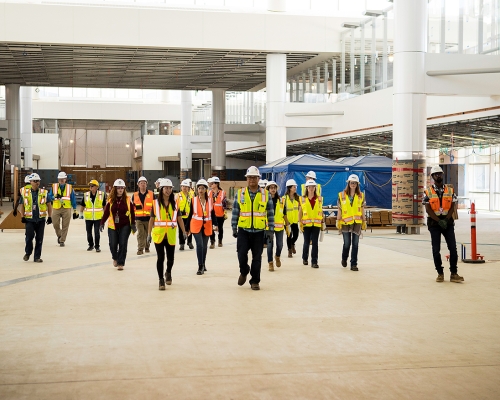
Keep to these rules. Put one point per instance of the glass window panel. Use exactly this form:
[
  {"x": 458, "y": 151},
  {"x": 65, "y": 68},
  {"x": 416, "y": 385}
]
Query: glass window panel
[
  {"x": 93, "y": 92},
  {"x": 121, "y": 93},
  {"x": 65, "y": 92},
  {"x": 79, "y": 92},
  {"x": 135, "y": 94},
  {"x": 108, "y": 93},
  {"x": 151, "y": 94}
]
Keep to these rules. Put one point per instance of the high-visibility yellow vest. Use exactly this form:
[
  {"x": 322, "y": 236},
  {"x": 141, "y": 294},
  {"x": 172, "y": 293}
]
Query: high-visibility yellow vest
[
  {"x": 351, "y": 214},
  {"x": 311, "y": 216},
  {"x": 304, "y": 191},
  {"x": 111, "y": 219},
  {"x": 28, "y": 203},
  {"x": 143, "y": 210},
  {"x": 93, "y": 211},
  {"x": 256, "y": 216},
  {"x": 65, "y": 200},
  {"x": 446, "y": 201},
  {"x": 183, "y": 204},
  {"x": 279, "y": 216},
  {"x": 292, "y": 210},
  {"x": 165, "y": 224}
]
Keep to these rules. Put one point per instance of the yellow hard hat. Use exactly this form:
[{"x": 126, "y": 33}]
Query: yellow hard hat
[{"x": 94, "y": 182}]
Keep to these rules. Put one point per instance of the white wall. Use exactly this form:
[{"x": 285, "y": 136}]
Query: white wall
[
  {"x": 46, "y": 146},
  {"x": 155, "y": 146}
]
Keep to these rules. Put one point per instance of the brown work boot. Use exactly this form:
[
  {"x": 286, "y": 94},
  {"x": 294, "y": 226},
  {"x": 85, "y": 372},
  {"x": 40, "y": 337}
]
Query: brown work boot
[
  {"x": 168, "y": 278},
  {"x": 139, "y": 252},
  {"x": 120, "y": 268},
  {"x": 456, "y": 278},
  {"x": 271, "y": 266},
  {"x": 344, "y": 263},
  {"x": 278, "y": 261},
  {"x": 147, "y": 250},
  {"x": 220, "y": 243},
  {"x": 161, "y": 286},
  {"x": 293, "y": 249},
  {"x": 115, "y": 263},
  {"x": 290, "y": 254},
  {"x": 305, "y": 262},
  {"x": 242, "y": 279},
  {"x": 255, "y": 286},
  {"x": 440, "y": 278},
  {"x": 212, "y": 245}
]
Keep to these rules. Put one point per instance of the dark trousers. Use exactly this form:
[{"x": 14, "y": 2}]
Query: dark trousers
[
  {"x": 220, "y": 228},
  {"x": 34, "y": 230},
  {"x": 294, "y": 235},
  {"x": 181, "y": 235},
  {"x": 161, "y": 249},
  {"x": 201, "y": 246},
  {"x": 350, "y": 238},
  {"x": 118, "y": 241},
  {"x": 311, "y": 233},
  {"x": 252, "y": 241},
  {"x": 93, "y": 225},
  {"x": 449, "y": 237},
  {"x": 278, "y": 239}
]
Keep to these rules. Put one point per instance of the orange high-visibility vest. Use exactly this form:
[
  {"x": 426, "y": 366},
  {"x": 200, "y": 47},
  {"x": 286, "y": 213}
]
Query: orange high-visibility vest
[
  {"x": 218, "y": 208},
  {"x": 145, "y": 210},
  {"x": 447, "y": 200},
  {"x": 202, "y": 217}
]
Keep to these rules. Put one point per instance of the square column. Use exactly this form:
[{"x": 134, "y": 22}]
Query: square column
[
  {"x": 26, "y": 125},
  {"x": 275, "y": 112},
  {"x": 218, "y": 159},
  {"x": 13, "y": 117},
  {"x": 186, "y": 133}
]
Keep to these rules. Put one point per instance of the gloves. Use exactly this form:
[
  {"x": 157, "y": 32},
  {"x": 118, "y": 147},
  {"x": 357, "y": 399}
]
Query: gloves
[
  {"x": 269, "y": 236},
  {"x": 149, "y": 239},
  {"x": 23, "y": 220},
  {"x": 49, "y": 220},
  {"x": 443, "y": 224},
  {"x": 75, "y": 215},
  {"x": 101, "y": 228},
  {"x": 235, "y": 233},
  {"x": 134, "y": 228}
]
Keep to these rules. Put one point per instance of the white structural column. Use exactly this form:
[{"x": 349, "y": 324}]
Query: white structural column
[
  {"x": 26, "y": 126},
  {"x": 275, "y": 112},
  {"x": 186, "y": 133},
  {"x": 13, "y": 117},
  {"x": 218, "y": 159}
]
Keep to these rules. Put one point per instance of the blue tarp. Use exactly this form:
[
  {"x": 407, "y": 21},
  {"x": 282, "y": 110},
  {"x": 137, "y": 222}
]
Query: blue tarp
[{"x": 374, "y": 172}]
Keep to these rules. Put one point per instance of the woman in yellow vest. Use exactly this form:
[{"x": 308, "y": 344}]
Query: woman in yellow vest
[
  {"x": 163, "y": 228},
  {"x": 292, "y": 204},
  {"x": 311, "y": 220},
  {"x": 351, "y": 219},
  {"x": 280, "y": 220},
  {"x": 92, "y": 205}
]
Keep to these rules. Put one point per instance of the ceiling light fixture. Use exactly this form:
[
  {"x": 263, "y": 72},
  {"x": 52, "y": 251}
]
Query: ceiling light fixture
[
  {"x": 372, "y": 13},
  {"x": 351, "y": 25}
]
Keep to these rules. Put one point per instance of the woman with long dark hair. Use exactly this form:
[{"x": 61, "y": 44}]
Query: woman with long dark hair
[
  {"x": 163, "y": 228},
  {"x": 280, "y": 220},
  {"x": 292, "y": 214},
  {"x": 218, "y": 197}
]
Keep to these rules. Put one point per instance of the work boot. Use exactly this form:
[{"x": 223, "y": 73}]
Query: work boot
[
  {"x": 220, "y": 243},
  {"x": 26, "y": 257},
  {"x": 290, "y": 254},
  {"x": 200, "y": 269},
  {"x": 278, "y": 261},
  {"x": 344, "y": 263},
  {"x": 190, "y": 245},
  {"x": 139, "y": 252},
  {"x": 271, "y": 266},
  {"x": 61, "y": 244},
  {"x": 39, "y": 260},
  {"x": 147, "y": 250},
  {"x": 440, "y": 278},
  {"x": 255, "y": 286},
  {"x": 354, "y": 268},
  {"x": 90, "y": 248},
  {"x": 242, "y": 279},
  {"x": 212, "y": 245},
  {"x": 162, "y": 284},
  {"x": 456, "y": 278},
  {"x": 58, "y": 239},
  {"x": 120, "y": 267},
  {"x": 97, "y": 249},
  {"x": 293, "y": 249},
  {"x": 314, "y": 265},
  {"x": 168, "y": 278},
  {"x": 181, "y": 247},
  {"x": 305, "y": 262}
]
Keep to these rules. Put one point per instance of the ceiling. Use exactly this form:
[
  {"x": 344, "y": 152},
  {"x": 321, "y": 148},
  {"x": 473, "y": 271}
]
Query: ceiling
[
  {"x": 135, "y": 67},
  {"x": 38, "y": 125}
]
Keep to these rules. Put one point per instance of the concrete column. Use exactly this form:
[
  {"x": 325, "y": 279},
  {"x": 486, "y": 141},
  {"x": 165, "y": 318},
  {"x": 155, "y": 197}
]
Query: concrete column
[
  {"x": 275, "y": 113},
  {"x": 13, "y": 117},
  {"x": 218, "y": 159},
  {"x": 186, "y": 133},
  {"x": 26, "y": 125}
]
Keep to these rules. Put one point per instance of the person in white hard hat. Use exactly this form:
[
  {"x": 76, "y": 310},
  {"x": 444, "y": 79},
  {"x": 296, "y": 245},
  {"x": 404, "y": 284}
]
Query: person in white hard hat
[
  {"x": 183, "y": 199},
  {"x": 218, "y": 197},
  {"x": 191, "y": 187},
  {"x": 64, "y": 201},
  {"x": 311, "y": 175},
  {"x": 27, "y": 186},
  {"x": 92, "y": 206},
  {"x": 165, "y": 218},
  {"x": 310, "y": 222},
  {"x": 440, "y": 203},
  {"x": 156, "y": 189},
  {"x": 143, "y": 203},
  {"x": 252, "y": 210},
  {"x": 351, "y": 219},
  {"x": 292, "y": 205},
  {"x": 119, "y": 213},
  {"x": 280, "y": 221}
]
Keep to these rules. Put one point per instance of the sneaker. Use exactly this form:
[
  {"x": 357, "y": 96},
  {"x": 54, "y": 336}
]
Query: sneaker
[
  {"x": 305, "y": 262},
  {"x": 255, "y": 286},
  {"x": 344, "y": 263},
  {"x": 212, "y": 245},
  {"x": 120, "y": 267},
  {"x": 354, "y": 268},
  {"x": 220, "y": 244},
  {"x": 26, "y": 257},
  {"x": 190, "y": 245},
  {"x": 271, "y": 266},
  {"x": 314, "y": 266},
  {"x": 440, "y": 278},
  {"x": 38, "y": 260},
  {"x": 90, "y": 248},
  {"x": 146, "y": 250},
  {"x": 456, "y": 278},
  {"x": 162, "y": 284},
  {"x": 98, "y": 250},
  {"x": 61, "y": 244},
  {"x": 293, "y": 249},
  {"x": 290, "y": 254},
  {"x": 278, "y": 261},
  {"x": 242, "y": 279},
  {"x": 181, "y": 247},
  {"x": 139, "y": 252},
  {"x": 168, "y": 278}
]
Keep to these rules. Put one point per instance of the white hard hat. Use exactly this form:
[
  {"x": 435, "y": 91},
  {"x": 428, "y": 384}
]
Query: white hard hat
[
  {"x": 202, "y": 182},
  {"x": 62, "y": 175},
  {"x": 311, "y": 183},
  {"x": 311, "y": 174},
  {"x": 158, "y": 180},
  {"x": 188, "y": 179},
  {"x": 291, "y": 182},
  {"x": 353, "y": 178},
  {"x": 252, "y": 171},
  {"x": 165, "y": 182},
  {"x": 27, "y": 179},
  {"x": 435, "y": 169},
  {"x": 262, "y": 183},
  {"x": 119, "y": 183},
  {"x": 215, "y": 179},
  {"x": 271, "y": 183},
  {"x": 210, "y": 180},
  {"x": 142, "y": 179},
  {"x": 34, "y": 177},
  {"x": 185, "y": 182}
]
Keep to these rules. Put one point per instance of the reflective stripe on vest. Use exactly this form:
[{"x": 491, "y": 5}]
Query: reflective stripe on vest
[
  {"x": 202, "y": 218},
  {"x": 28, "y": 203},
  {"x": 93, "y": 211},
  {"x": 163, "y": 225},
  {"x": 311, "y": 216},
  {"x": 65, "y": 200},
  {"x": 253, "y": 214},
  {"x": 145, "y": 210},
  {"x": 292, "y": 210},
  {"x": 218, "y": 207},
  {"x": 446, "y": 202},
  {"x": 184, "y": 204},
  {"x": 351, "y": 214},
  {"x": 111, "y": 220}
]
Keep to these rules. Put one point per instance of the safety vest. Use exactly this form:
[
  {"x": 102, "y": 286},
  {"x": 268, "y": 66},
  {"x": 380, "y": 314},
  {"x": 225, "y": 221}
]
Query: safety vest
[
  {"x": 28, "y": 203},
  {"x": 218, "y": 208},
  {"x": 351, "y": 213},
  {"x": 202, "y": 217},
  {"x": 144, "y": 210},
  {"x": 447, "y": 200},
  {"x": 65, "y": 200},
  {"x": 184, "y": 204},
  {"x": 253, "y": 215},
  {"x": 111, "y": 219},
  {"x": 292, "y": 210},
  {"x": 165, "y": 224},
  {"x": 304, "y": 191},
  {"x": 311, "y": 216},
  {"x": 191, "y": 193},
  {"x": 279, "y": 216},
  {"x": 93, "y": 211}
]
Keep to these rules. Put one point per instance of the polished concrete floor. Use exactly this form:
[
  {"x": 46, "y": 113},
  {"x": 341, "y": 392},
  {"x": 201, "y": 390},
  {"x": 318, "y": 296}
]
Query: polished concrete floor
[{"x": 76, "y": 328}]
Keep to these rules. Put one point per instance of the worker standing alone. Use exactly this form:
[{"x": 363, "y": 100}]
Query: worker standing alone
[
  {"x": 143, "y": 203},
  {"x": 92, "y": 205},
  {"x": 64, "y": 200}
]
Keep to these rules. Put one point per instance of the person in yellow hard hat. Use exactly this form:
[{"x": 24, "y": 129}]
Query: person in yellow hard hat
[{"x": 92, "y": 207}]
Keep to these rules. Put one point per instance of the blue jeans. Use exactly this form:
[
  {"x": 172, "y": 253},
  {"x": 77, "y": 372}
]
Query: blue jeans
[
  {"x": 311, "y": 234},
  {"x": 278, "y": 239},
  {"x": 350, "y": 238},
  {"x": 118, "y": 241},
  {"x": 201, "y": 246}
]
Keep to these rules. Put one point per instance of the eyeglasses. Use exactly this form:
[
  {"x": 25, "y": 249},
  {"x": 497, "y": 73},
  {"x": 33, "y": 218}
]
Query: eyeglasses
[{"x": 36, "y": 181}]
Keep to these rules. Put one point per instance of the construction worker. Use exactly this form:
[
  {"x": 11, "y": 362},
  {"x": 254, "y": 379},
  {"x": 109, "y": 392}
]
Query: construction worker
[
  {"x": 64, "y": 200},
  {"x": 262, "y": 183},
  {"x": 351, "y": 219},
  {"x": 143, "y": 203},
  {"x": 92, "y": 206},
  {"x": 218, "y": 197},
  {"x": 162, "y": 230},
  {"x": 119, "y": 213},
  {"x": 310, "y": 222},
  {"x": 311, "y": 175},
  {"x": 252, "y": 207},
  {"x": 156, "y": 189},
  {"x": 280, "y": 220},
  {"x": 292, "y": 205},
  {"x": 183, "y": 200},
  {"x": 191, "y": 188},
  {"x": 440, "y": 203},
  {"x": 36, "y": 211}
]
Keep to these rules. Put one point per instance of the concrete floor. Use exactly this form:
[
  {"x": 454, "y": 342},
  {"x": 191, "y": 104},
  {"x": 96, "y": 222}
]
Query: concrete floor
[{"x": 76, "y": 328}]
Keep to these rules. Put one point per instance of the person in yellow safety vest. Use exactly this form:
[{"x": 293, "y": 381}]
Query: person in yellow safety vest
[
  {"x": 36, "y": 211},
  {"x": 64, "y": 201},
  {"x": 183, "y": 201},
  {"x": 27, "y": 186},
  {"x": 292, "y": 205},
  {"x": 191, "y": 190},
  {"x": 280, "y": 220},
  {"x": 351, "y": 219},
  {"x": 310, "y": 222},
  {"x": 165, "y": 218},
  {"x": 252, "y": 207},
  {"x": 218, "y": 197},
  {"x": 143, "y": 203},
  {"x": 92, "y": 209},
  {"x": 311, "y": 175},
  {"x": 119, "y": 213},
  {"x": 440, "y": 203}
]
